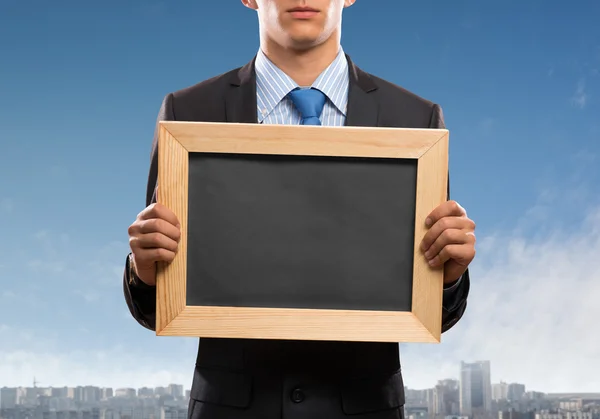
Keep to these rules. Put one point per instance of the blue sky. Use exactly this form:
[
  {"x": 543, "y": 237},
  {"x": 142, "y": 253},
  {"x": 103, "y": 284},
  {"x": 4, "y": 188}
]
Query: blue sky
[{"x": 81, "y": 83}]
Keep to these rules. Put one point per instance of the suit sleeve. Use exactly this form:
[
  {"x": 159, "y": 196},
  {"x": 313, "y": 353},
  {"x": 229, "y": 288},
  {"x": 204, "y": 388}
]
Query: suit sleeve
[
  {"x": 455, "y": 296},
  {"x": 141, "y": 298}
]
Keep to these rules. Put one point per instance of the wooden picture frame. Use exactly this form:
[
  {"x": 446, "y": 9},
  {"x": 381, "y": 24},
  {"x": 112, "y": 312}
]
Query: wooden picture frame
[{"x": 428, "y": 147}]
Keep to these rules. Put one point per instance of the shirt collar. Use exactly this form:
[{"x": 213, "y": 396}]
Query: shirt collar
[{"x": 273, "y": 85}]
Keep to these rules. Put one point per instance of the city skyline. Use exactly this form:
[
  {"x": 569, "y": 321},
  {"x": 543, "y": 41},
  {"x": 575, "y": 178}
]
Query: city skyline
[
  {"x": 460, "y": 377},
  {"x": 473, "y": 396},
  {"x": 187, "y": 389}
]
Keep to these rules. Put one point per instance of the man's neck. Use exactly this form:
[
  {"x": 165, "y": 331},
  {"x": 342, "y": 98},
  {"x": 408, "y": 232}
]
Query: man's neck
[{"x": 303, "y": 66}]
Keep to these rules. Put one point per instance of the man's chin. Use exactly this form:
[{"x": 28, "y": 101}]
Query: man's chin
[{"x": 305, "y": 41}]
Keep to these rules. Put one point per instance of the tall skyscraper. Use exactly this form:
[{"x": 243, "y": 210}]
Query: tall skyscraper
[
  {"x": 500, "y": 391},
  {"x": 475, "y": 387},
  {"x": 515, "y": 392},
  {"x": 445, "y": 400}
]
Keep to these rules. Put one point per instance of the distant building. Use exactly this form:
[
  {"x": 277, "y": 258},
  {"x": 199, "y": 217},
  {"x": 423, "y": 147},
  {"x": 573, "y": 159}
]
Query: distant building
[
  {"x": 416, "y": 412},
  {"x": 9, "y": 397},
  {"x": 107, "y": 393},
  {"x": 500, "y": 391},
  {"x": 446, "y": 398},
  {"x": 146, "y": 392},
  {"x": 516, "y": 392},
  {"x": 161, "y": 391},
  {"x": 564, "y": 415},
  {"x": 475, "y": 388},
  {"x": 176, "y": 390},
  {"x": 125, "y": 392},
  {"x": 512, "y": 414},
  {"x": 173, "y": 413}
]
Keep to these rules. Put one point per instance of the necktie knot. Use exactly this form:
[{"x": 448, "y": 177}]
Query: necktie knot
[{"x": 309, "y": 103}]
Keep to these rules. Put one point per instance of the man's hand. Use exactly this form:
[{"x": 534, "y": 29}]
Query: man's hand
[
  {"x": 153, "y": 237},
  {"x": 450, "y": 241}
]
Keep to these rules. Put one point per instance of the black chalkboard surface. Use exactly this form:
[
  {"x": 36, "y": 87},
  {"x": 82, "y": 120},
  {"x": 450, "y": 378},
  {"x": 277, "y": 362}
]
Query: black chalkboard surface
[
  {"x": 300, "y": 232},
  {"x": 294, "y": 232}
]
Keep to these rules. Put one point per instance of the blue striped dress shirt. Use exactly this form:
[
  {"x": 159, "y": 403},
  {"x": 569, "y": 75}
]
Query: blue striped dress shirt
[{"x": 273, "y": 85}]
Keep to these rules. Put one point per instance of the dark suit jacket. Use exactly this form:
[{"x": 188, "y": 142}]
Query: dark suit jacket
[{"x": 285, "y": 379}]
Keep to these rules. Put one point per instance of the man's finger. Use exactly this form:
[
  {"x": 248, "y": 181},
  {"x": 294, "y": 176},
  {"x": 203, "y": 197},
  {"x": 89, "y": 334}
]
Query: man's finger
[
  {"x": 148, "y": 257},
  {"x": 153, "y": 241},
  {"x": 160, "y": 254},
  {"x": 446, "y": 223},
  {"x": 460, "y": 253},
  {"x": 448, "y": 237},
  {"x": 157, "y": 210},
  {"x": 158, "y": 225},
  {"x": 447, "y": 209}
]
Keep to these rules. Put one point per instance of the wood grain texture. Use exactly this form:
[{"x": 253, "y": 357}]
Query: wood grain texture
[
  {"x": 432, "y": 181},
  {"x": 428, "y": 146},
  {"x": 303, "y": 140},
  {"x": 299, "y": 324},
  {"x": 172, "y": 193}
]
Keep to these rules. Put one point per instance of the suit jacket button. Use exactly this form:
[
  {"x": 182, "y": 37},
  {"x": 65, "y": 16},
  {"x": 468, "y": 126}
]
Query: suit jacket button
[{"x": 297, "y": 395}]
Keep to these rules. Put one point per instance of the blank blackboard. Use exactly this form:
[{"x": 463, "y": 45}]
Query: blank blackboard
[{"x": 300, "y": 232}]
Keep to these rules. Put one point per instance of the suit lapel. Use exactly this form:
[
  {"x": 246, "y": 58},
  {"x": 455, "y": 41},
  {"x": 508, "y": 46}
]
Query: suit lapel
[
  {"x": 363, "y": 108},
  {"x": 240, "y": 101}
]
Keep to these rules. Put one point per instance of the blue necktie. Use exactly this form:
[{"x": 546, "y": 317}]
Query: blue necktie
[{"x": 309, "y": 103}]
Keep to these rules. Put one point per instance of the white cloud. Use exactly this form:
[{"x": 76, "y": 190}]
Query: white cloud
[
  {"x": 55, "y": 254},
  {"x": 41, "y": 266},
  {"x": 580, "y": 97},
  {"x": 112, "y": 366},
  {"x": 533, "y": 312},
  {"x": 90, "y": 295},
  {"x": 108, "y": 262},
  {"x": 7, "y": 294},
  {"x": 24, "y": 300}
]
